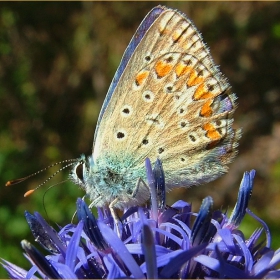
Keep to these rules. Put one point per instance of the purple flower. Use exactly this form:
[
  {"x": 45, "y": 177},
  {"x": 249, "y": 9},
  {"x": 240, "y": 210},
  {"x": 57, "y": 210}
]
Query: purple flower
[{"x": 155, "y": 242}]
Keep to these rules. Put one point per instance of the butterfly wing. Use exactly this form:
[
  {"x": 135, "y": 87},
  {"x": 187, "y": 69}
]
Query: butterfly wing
[
  {"x": 136, "y": 39},
  {"x": 168, "y": 100}
]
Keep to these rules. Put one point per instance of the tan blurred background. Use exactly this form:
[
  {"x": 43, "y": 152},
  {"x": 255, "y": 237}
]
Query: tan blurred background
[{"x": 56, "y": 63}]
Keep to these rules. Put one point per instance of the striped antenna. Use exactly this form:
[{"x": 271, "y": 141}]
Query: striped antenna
[{"x": 17, "y": 181}]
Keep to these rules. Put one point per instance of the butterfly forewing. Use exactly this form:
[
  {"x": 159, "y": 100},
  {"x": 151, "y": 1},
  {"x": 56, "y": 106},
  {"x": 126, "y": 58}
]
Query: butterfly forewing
[{"x": 136, "y": 39}]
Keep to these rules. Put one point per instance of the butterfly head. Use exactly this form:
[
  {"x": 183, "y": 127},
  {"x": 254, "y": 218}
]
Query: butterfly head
[{"x": 80, "y": 171}]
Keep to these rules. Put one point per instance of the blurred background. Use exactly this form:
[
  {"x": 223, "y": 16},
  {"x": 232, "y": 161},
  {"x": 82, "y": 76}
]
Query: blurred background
[{"x": 56, "y": 63}]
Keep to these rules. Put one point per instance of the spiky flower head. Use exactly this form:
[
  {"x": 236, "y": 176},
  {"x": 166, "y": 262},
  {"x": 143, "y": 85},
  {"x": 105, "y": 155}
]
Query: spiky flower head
[{"x": 152, "y": 242}]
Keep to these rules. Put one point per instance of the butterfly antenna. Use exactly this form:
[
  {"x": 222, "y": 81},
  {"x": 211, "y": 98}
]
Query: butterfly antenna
[
  {"x": 59, "y": 170},
  {"x": 17, "y": 181}
]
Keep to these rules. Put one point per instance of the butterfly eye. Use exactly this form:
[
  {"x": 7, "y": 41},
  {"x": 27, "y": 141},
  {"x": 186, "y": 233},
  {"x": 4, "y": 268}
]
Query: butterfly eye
[{"x": 80, "y": 172}]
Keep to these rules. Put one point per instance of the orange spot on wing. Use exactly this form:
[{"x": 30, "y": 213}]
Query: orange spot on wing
[
  {"x": 212, "y": 132},
  {"x": 206, "y": 110},
  {"x": 162, "y": 68},
  {"x": 141, "y": 77},
  {"x": 194, "y": 79},
  {"x": 181, "y": 69},
  {"x": 202, "y": 93}
]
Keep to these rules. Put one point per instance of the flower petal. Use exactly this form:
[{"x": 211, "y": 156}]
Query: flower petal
[
  {"x": 14, "y": 271},
  {"x": 90, "y": 225},
  {"x": 175, "y": 263},
  {"x": 244, "y": 194},
  {"x": 202, "y": 225},
  {"x": 149, "y": 252},
  {"x": 72, "y": 249},
  {"x": 41, "y": 262},
  {"x": 160, "y": 184},
  {"x": 120, "y": 249},
  {"x": 152, "y": 184}
]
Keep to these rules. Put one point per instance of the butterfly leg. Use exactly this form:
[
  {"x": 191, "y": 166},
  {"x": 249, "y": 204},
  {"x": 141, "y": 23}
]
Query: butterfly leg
[
  {"x": 141, "y": 192},
  {"x": 116, "y": 219}
]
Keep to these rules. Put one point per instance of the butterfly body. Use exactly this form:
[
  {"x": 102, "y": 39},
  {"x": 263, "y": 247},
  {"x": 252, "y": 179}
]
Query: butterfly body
[
  {"x": 167, "y": 100},
  {"x": 106, "y": 180}
]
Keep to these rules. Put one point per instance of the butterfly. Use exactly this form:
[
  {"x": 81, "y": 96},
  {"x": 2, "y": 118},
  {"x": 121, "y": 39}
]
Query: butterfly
[{"x": 167, "y": 101}]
